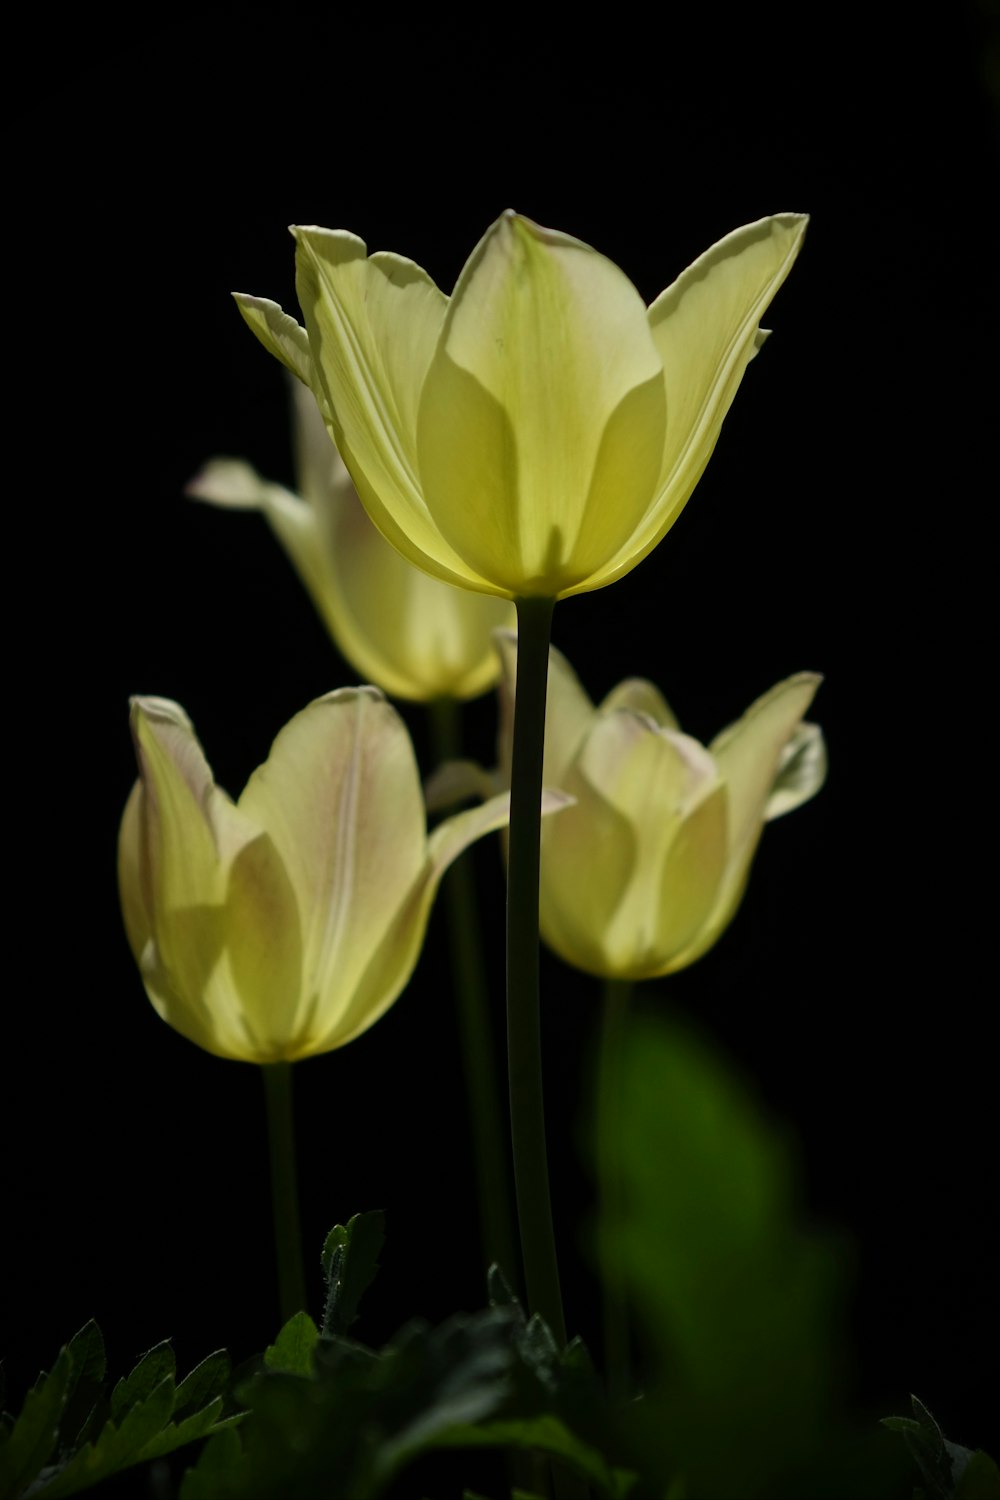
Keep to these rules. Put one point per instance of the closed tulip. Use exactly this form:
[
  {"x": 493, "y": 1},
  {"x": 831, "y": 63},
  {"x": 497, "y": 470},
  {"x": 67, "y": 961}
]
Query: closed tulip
[
  {"x": 412, "y": 634},
  {"x": 646, "y": 871},
  {"x": 286, "y": 923},
  {"x": 538, "y": 432}
]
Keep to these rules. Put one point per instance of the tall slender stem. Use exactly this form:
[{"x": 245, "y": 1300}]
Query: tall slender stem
[
  {"x": 284, "y": 1188},
  {"x": 524, "y": 1049},
  {"x": 475, "y": 1029},
  {"x": 609, "y": 1101}
]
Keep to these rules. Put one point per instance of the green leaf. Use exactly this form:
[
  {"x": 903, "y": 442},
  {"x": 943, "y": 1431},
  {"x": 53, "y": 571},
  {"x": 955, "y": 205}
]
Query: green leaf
[
  {"x": 203, "y": 1384},
  {"x": 292, "y": 1350},
  {"x": 88, "y": 1366},
  {"x": 734, "y": 1300},
  {"x": 350, "y": 1260},
  {"x": 33, "y": 1435},
  {"x": 212, "y": 1476},
  {"x": 980, "y": 1479},
  {"x": 116, "y": 1447},
  {"x": 152, "y": 1368},
  {"x": 549, "y": 1435}
]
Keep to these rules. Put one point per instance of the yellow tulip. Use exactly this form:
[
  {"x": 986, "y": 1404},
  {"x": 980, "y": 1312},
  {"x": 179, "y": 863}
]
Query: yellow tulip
[
  {"x": 536, "y": 434},
  {"x": 286, "y": 923},
  {"x": 413, "y": 635},
  {"x": 646, "y": 871}
]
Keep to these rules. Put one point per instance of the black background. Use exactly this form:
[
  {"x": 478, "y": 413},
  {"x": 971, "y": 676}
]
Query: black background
[{"x": 841, "y": 526}]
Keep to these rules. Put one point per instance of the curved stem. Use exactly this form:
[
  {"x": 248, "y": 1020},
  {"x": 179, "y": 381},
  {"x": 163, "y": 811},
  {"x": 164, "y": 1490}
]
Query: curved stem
[
  {"x": 527, "y": 1117},
  {"x": 609, "y": 1099},
  {"x": 284, "y": 1187},
  {"x": 475, "y": 1028}
]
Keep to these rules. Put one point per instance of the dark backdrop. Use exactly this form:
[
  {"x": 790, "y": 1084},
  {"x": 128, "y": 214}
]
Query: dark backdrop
[{"x": 839, "y": 527}]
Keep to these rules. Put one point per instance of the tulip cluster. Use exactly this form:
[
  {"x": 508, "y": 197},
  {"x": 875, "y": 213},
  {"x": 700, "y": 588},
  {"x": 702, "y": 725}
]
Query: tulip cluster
[{"x": 464, "y": 461}]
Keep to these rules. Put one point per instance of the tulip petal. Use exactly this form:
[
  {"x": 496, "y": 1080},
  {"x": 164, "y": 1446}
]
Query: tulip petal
[
  {"x": 568, "y": 711},
  {"x": 706, "y": 329},
  {"x": 749, "y": 757},
  {"x": 373, "y": 324},
  {"x": 412, "y": 634},
  {"x": 340, "y": 797},
  {"x": 182, "y": 833},
  {"x": 392, "y": 962},
  {"x": 231, "y": 483},
  {"x": 652, "y": 810},
  {"x": 264, "y": 950},
  {"x": 542, "y": 418},
  {"x": 801, "y": 772},
  {"x": 642, "y": 697},
  {"x": 279, "y": 333}
]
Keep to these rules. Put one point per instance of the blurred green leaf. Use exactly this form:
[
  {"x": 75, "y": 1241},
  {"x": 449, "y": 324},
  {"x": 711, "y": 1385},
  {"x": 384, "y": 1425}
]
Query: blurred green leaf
[
  {"x": 734, "y": 1299},
  {"x": 546, "y": 1434},
  {"x": 211, "y": 1477},
  {"x": 292, "y": 1350},
  {"x": 980, "y": 1479},
  {"x": 350, "y": 1260}
]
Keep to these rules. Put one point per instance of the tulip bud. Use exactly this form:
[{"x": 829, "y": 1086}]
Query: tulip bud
[
  {"x": 646, "y": 871},
  {"x": 286, "y": 923},
  {"x": 414, "y": 636},
  {"x": 537, "y": 433}
]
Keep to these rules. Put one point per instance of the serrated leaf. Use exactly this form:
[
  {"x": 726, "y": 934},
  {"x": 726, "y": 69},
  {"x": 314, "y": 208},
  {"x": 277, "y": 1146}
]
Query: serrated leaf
[
  {"x": 203, "y": 1423},
  {"x": 88, "y": 1366},
  {"x": 292, "y": 1350},
  {"x": 86, "y": 1350},
  {"x": 116, "y": 1447},
  {"x": 980, "y": 1479},
  {"x": 152, "y": 1368},
  {"x": 350, "y": 1260},
  {"x": 211, "y": 1477},
  {"x": 33, "y": 1436},
  {"x": 203, "y": 1384}
]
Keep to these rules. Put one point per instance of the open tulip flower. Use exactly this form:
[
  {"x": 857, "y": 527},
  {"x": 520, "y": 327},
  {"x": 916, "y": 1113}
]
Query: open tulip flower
[
  {"x": 644, "y": 874},
  {"x": 286, "y": 923},
  {"x": 536, "y": 434},
  {"x": 399, "y": 627}
]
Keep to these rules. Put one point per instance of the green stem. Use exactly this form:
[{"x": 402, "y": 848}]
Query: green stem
[
  {"x": 524, "y": 1050},
  {"x": 609, "y": 1088},
  {"x": 475, "y": 1028},
  {"x": 284, "y": 1188}
]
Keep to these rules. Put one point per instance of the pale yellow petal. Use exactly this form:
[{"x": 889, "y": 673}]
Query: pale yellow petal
[
  {"x": 642, "y": 697},
  {"x": 569, "y": 713},
  {"x": 373, "y": 324},
  {"x": 706, "y": 329},
  {"x": 542, "y": 418},
  {"x": 801, "y": 772},
  {"x": 264, "y": 949},
  {"x": 392, "y": 962},
  {"x": 631, "y": 872},
  {"x": 340, "y": 797},
  {"x": 279, "y": 333},
  {"x": 749, "y": 755},
  {"x": 188, "y": 834},
  {"x": 229, "y": 482}
]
